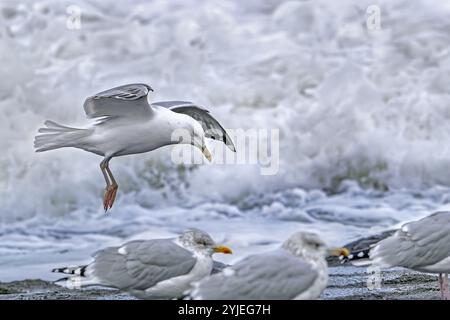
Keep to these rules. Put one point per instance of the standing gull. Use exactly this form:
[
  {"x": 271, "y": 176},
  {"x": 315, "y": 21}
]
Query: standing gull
[
  {"x": 297, "y": 270},
  {"x": 127, "y": 124},
  {"x": 149, "y": 269},
  {"x": 422, "y": 245}
]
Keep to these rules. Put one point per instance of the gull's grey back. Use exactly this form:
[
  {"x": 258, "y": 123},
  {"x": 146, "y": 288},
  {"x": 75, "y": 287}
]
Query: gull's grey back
[
  {"x": 272, "y": 275},
  {"x": 142, "y": 264},
  {"x": 417, "y": 244}
]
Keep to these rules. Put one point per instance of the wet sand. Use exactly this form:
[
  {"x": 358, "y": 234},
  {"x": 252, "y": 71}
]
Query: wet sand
[{"x": 346, "y": 282}]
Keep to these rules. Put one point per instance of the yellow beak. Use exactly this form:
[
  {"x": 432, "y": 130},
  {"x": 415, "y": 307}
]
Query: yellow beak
[
  {"x": 206, "y": 153},
  {"x": 222, "y": 249},
  {"x": 339, "y": 252}
]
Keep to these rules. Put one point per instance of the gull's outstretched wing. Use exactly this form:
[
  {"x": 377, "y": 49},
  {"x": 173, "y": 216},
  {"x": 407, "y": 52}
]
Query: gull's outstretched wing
[
  {"x": 210, "y": 125},
  {"x": 128, "y": 101},
  {"x": 140, "y": 265},
  {"x": 268, "y": 276}
]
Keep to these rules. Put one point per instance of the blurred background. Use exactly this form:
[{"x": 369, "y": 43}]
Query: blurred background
[{"x": 362, "y": 110}]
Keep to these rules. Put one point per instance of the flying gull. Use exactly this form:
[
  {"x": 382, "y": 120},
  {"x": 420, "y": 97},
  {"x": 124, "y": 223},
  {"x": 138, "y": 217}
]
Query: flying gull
[
  {"x": 297, "y": 270},
  {"x": 149, "y": 269},
  {"x": 422, "y": 245},
  {"x": 127, "y": 124}
]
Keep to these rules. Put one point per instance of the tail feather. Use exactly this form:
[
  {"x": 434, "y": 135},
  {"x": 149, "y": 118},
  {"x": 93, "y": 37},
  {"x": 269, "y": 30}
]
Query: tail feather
[
  {"x": 51, "y": 125},
  {"x": 79, "y": 271},
  {"x": 79, "y": 277},
  {"x": 56, "y": 136},
  {"x": 76, "y": 282},
  {"x": 358, "y": 258}
]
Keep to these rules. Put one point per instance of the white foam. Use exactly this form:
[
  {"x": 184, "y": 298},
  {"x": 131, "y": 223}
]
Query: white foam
[{"x": 350, "y": 104}]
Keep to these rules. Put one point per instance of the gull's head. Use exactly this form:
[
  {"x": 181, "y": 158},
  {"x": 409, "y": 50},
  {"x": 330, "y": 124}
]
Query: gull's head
[
  {"x": 198, "y": 138},
  {"x": 310, "y": 246},
  {"x": 200, "y": 242}
]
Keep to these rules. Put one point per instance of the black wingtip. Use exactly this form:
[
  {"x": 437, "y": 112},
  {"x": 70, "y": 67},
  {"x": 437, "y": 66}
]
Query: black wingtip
[{"x": 356, "y": 255}]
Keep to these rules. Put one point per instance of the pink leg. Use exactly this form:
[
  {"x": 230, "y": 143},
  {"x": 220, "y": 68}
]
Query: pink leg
[
  {"x": 443, "y": 284},
  {"x": 111, "y": 185}
]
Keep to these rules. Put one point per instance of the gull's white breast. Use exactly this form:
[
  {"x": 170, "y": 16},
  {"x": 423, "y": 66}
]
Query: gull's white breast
[{"x": 317, "y": 287}]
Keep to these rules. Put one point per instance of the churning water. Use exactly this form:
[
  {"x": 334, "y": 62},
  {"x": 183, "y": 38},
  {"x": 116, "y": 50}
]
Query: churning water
[{"x": 363, "y": 117}]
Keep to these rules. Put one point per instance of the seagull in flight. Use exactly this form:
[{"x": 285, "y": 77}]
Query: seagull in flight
[{"x": 127, "y": 124}]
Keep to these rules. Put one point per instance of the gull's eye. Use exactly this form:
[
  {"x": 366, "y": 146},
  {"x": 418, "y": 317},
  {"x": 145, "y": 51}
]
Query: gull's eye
[{"x": 315, "y": 245}]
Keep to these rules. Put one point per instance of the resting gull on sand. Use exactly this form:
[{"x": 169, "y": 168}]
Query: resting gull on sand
[
  {"x": 297, "y": 270},
  {"x": 422, "y": 245},
  {"x": 149, "y": 269},
  {"x": 127, "y": 124}
]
